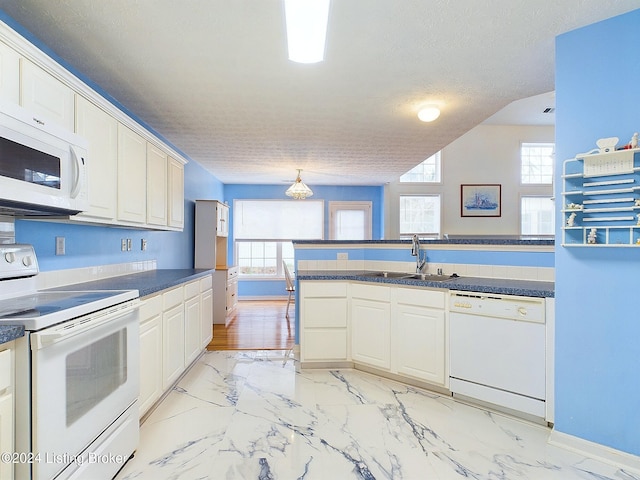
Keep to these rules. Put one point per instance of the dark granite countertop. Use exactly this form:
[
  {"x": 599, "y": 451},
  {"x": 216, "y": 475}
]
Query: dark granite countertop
[
  {"x": 147, "y": 282},
  {"x": 525, "y": 288},
  {"x": 451, "y": 240},
  {"x": 10, "y": 332}
]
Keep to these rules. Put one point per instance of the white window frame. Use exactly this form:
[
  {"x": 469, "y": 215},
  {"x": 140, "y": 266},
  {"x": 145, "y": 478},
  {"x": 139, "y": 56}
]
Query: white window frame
[
  {"x": 523, "y": 145},
  {"x": 421, "y": 234},
  {"x": 365, "y": 207},
  {"x": 437, "y": 157},
  {"x": 550, "y": 198}
]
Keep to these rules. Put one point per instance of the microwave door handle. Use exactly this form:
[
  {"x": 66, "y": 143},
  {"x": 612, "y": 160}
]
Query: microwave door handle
[{"x": 75, "y": 164}]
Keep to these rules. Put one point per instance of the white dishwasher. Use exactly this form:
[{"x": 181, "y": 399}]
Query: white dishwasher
[{"x": 497, "y": 350}]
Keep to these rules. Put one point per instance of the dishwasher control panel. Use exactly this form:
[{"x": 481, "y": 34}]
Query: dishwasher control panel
[{"x": 511, "y": 307}]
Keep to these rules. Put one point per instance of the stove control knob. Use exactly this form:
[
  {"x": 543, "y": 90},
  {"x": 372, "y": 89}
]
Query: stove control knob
[
  {"x": 27, "y": 261},
  {"x": 10, "y": 257}
]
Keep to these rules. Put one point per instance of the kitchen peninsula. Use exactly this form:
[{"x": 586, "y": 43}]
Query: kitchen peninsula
[{"x": 372, "y": 310}]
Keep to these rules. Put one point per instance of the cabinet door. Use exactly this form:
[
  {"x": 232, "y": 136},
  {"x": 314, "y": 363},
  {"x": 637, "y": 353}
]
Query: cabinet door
[
  {"x": 421, "y": 351},
  {"x": 45, "y": 95},
  {"x": 101, "y": 130},
  {"x": 9, "y": 74},
  {"x": 172, "y": 345},
  {"x": 156, "y": 186},
  {"x": 192, "y": 329},
  {"x": 132, "y": 176},
  {"x": 6, "y": 434},
  {"x": 150, "y": 362},
  {"x": 176, "y": 193},
  {"x": 370, "y": 332},
  {"x": 206, "y": 318},
  {"x": 222, "y": 220}
]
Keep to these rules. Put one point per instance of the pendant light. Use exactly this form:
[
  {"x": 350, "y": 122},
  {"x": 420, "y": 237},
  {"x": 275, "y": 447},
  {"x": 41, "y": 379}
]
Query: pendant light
[{"x": 299, "y": 190}]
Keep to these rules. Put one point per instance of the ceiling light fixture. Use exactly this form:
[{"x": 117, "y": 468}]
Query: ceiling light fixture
[
  {"x": 306, "y": 29},
  {"x": 428, "y": 113},
  {"x": 299, "y": 190}
]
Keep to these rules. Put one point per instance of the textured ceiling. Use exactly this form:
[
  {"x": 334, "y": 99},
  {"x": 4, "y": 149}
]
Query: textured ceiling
[{"x": 212, "y": 76}]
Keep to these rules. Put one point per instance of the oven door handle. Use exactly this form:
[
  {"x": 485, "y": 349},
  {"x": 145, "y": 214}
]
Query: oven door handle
[{"x": 49, "y": 336}]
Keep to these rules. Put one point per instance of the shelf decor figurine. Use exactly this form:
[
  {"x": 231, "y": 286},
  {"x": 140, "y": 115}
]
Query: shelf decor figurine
[
  {"x": 574, "y": 206},
  {"x": 572, "y": 218},
  {"x": 591, "y": 238},
  {"x": 638, "y": 217}
]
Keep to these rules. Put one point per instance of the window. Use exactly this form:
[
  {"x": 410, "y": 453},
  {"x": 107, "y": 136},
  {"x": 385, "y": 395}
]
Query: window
[
  {"x": 427, "y": 172},
  {"x": 536, "y": 160},
  {"x": 420, "y": 214},
  {"x": 350, "y": 220},
  {"x": 263, "y": 231},
  {"x": 537, "y": 215}
]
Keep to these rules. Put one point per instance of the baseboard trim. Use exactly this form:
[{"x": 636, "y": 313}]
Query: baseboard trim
[{"x": 594, "y": 450}]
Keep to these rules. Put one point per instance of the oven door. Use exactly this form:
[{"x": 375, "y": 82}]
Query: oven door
[{"x": 84, "y": 376}]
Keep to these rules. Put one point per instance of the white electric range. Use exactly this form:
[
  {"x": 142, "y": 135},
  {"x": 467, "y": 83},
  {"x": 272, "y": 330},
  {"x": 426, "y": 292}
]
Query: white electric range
[{"x": 77, "y": 373}]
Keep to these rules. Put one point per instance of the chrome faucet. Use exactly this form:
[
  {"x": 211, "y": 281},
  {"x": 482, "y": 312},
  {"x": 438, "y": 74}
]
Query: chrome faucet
[{"x": 415, "y": 252}]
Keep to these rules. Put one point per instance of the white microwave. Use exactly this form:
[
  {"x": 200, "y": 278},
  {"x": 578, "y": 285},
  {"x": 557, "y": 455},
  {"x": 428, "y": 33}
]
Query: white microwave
[{"x": 43, "y": 167}]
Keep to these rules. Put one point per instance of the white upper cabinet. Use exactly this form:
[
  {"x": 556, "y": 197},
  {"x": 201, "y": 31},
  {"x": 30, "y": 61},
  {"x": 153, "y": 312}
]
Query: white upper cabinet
[
  {"x": 101, "y": 130},
  {"x": 157, "y": 173},
  {"x": 176, "y": 193},
  {"x": 45, "y": 95},
  {"x": 132, "y": 176},
  {"x": 9, "y": 74}
]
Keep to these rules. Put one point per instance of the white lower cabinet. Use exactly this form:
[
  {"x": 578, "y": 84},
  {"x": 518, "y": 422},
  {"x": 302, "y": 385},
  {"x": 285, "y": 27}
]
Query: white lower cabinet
[
  {"x": 392, "y": 329},
  {"x": 192, "y": 322},
  {"x": 6, "y": 408},
  {"x": 206, "y": 311},
  {"x": 173, "y": 333},
  {"x": 323, "y": 321},
  {"x": 150, "y": 352},
  {"x": 419, "y": 329},
  {"x": 371, "y": 325}
]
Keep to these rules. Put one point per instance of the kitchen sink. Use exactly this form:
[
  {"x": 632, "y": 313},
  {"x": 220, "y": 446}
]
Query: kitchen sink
[
  {"x": 388, "y": 274},
  {"x": 431, "y": 277}
]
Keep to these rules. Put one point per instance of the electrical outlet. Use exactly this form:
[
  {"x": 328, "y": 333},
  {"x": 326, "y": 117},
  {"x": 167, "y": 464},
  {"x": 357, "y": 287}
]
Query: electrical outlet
[
  {"x": 60, "y": 246},
  {"x": 143, "y": 244},
  {"x": 343, "y": 256},
  {"x": 123, "y": 244}
]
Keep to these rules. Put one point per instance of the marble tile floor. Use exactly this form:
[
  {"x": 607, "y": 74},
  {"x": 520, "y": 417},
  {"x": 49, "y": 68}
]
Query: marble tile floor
[{"x": 243, "y": 415}]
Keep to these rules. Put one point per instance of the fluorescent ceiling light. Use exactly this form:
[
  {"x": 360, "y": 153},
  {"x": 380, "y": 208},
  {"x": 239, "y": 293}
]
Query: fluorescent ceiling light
[{"x": 306, "y": 29}]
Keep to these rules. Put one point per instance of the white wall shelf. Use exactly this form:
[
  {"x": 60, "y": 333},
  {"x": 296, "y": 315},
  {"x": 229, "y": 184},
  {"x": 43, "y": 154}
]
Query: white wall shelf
[{"x": 600, "y": 192}]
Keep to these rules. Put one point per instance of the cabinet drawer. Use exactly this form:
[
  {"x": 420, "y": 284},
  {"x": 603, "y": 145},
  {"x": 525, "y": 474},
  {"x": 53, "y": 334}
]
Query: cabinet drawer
[
  {"x": 150, "y": 307},
  {"x": 171, "y": 298},
  {"x": 191, "y": 289},
  {"x": 206, "y": 283},
  {"x": 323, "y": 289},
  {"x": 232, "y": 273},
  {"x": 421, "y": 297},
  {"x": 371, "y": 292},
  {"x": 5, "y": 369}
]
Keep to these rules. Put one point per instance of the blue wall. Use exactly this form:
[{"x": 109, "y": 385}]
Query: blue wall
[
  {"x": 597, "y": 322},
  {"x": 257, "y": 288},
  {"x": 89, "y": 245}
]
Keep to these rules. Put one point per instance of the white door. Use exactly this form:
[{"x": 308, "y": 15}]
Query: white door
[{"x": 350, "y": 220}]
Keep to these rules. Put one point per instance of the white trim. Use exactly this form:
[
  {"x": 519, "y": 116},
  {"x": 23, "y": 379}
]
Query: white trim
[{"x": 605, "y": 454}]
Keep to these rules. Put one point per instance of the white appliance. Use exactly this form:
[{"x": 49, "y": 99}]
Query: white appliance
[
  {"x": 77, "y": 373},
  {"x": 497, "y": 350},
  {"x": 43, "y": 167}
]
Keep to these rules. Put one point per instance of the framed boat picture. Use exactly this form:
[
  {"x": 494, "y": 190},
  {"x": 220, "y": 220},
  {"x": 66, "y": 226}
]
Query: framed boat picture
[{"x": 480, "y": 200}]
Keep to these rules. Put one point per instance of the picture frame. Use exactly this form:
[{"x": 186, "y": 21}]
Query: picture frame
[{"x": 481, "y": 200}]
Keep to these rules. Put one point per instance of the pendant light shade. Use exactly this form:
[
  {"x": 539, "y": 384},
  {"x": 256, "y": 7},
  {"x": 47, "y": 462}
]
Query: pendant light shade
[{"x": 299, "y": 190}]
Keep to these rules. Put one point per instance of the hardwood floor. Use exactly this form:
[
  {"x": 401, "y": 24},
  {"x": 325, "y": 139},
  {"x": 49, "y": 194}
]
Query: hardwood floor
[{"x": 256, "y": 325}]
